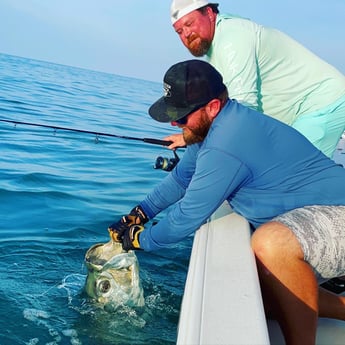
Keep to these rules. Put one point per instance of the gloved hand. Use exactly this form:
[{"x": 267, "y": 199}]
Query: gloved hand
[
  {"x": 137, "y": 216},
  {"x": 130, "y": 239}
]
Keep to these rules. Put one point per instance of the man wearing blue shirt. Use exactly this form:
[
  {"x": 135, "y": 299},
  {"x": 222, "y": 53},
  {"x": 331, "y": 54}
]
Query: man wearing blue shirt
[{"x": 290, "y": 192}]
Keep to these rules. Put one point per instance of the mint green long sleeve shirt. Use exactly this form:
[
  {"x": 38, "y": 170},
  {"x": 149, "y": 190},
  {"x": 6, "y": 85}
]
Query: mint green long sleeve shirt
[{"x": 271, "y": 72}]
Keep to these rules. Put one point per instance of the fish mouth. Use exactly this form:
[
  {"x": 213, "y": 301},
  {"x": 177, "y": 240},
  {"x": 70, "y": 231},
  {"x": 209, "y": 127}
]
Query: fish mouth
[{"x": 100, "y": 253}]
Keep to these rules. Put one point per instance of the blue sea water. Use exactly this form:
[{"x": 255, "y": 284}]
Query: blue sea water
[{"x": 59, "y": 191}]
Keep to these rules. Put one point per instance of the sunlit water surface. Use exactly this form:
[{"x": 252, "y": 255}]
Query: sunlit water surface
[{"x": 59, "y": 191}]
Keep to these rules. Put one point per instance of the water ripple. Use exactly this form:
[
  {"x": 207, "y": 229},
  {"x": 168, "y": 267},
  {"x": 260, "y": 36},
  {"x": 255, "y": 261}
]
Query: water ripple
[{"x": 59, "y": 191}]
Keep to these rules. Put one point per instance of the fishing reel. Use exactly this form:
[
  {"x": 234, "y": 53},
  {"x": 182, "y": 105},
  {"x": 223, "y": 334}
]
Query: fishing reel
[{"x": 166, "y": 164}]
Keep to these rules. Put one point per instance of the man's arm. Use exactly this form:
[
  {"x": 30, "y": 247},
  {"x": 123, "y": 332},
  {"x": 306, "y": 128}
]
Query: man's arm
[{"x": 212, "y": 183}]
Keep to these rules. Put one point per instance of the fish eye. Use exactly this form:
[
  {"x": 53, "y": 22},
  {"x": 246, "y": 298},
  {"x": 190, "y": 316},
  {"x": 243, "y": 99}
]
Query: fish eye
[{"x": 104, "y": 286}]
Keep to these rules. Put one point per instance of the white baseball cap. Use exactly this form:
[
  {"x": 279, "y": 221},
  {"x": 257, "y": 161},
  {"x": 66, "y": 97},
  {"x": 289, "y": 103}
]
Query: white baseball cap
[{"x": 180, "y": 8}]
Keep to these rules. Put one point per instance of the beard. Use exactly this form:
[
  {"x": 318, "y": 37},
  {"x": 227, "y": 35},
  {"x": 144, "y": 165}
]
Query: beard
[
  {"x": 198, "y": 46},
  {"x": 198, "y": 134}
]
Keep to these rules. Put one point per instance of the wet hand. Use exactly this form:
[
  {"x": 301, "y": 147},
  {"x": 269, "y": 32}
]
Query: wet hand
[
  {"x": 130, "y": 238},
  {"x": 137, "y": 216},
  {"x": 117, "y": 229}
]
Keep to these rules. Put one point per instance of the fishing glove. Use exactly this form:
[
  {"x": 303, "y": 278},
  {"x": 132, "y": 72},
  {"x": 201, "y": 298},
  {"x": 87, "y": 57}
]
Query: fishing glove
[
  {"x": 130, "y": 238},
  {"x": 137, "y": 216}
]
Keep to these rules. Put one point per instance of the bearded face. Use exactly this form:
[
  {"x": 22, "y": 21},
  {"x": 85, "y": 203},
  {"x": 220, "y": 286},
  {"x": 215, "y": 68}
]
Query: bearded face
[
  {"x": 198, "y": 133},
  {"x": 196, "y": 31},
  {"x": 198, "y": 46}
]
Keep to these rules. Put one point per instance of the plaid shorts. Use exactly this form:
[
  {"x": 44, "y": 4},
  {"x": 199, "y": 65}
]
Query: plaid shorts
[{"x": 321, "y": 232}]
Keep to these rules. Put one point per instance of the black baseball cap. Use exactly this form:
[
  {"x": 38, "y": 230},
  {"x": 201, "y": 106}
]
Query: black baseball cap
[{"x": 188, "y": 86}]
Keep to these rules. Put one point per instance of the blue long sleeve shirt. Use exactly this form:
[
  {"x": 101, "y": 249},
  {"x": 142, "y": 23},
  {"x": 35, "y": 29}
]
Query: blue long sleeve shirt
[{"x": 261, "y": 166}]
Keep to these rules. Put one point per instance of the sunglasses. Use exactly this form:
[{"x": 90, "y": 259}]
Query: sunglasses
[{"x": 183, "y": 120}]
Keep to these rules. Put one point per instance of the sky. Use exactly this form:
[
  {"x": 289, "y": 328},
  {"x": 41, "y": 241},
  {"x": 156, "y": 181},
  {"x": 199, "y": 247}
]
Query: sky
[{"x": 135, "y": 38}]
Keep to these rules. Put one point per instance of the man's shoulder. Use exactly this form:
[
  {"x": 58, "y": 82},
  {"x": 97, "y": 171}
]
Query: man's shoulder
[
  {"x": 224, "y": 16},
  {"x": 225, "y": 19},
  {"x": 235, "y": 29}
]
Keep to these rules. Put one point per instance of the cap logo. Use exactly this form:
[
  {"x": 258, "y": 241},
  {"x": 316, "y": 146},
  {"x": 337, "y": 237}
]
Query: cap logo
[{"x": 167, "y": 90}]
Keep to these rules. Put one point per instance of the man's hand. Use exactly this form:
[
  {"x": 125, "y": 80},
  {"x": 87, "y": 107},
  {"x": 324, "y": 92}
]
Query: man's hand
[
  {"x": 130, "y": 238},
  {"x": 137, "y": 216},
  {"x": 177, "y": 141}
]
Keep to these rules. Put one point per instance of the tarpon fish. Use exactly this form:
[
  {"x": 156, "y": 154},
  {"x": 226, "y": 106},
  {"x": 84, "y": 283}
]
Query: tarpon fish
[{"x": 113, "y": 275}]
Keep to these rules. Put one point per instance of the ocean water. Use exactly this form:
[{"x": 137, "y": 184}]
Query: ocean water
[{"x": 59, "y": 191}]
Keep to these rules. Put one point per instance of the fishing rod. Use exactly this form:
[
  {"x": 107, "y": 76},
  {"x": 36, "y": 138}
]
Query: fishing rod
[
  {"x": 146, "y": 140},
  {"x": 162, "y": 163}
]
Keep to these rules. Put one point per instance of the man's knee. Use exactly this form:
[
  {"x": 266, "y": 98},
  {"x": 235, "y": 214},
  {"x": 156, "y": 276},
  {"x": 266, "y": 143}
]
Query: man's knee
[{"x": 274, "y": 239}]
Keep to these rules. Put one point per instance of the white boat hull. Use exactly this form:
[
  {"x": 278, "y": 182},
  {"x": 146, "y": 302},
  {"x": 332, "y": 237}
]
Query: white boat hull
[{"x": 222, "y": 301}]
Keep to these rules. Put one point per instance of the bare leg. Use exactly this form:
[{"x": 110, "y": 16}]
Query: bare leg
[
  {"x": 331, "y": 305},
  {"x": 288, "y": 282}
]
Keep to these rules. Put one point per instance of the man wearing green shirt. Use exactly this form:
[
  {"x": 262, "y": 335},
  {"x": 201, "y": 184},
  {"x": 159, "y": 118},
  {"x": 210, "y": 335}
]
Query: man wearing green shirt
[{"x": 266, "y": 70}]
